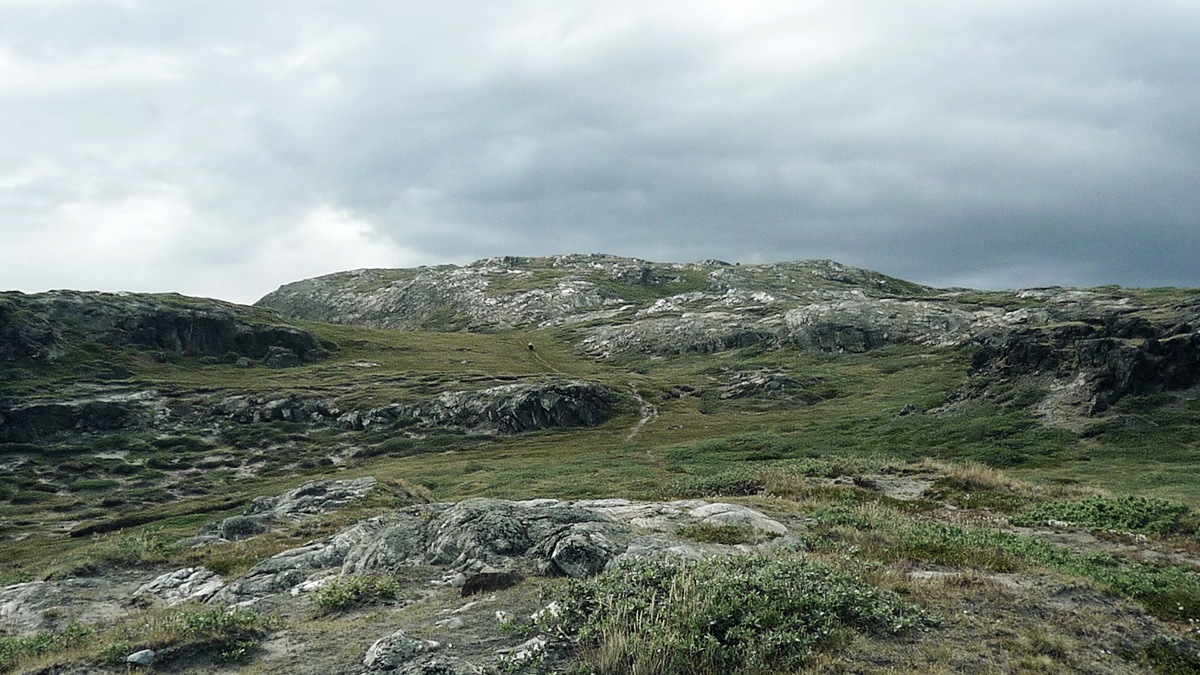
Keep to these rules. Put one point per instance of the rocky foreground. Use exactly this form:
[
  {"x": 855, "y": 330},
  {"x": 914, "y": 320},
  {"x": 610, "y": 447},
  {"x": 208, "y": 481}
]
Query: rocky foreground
[{"x": 469, "y": 549}]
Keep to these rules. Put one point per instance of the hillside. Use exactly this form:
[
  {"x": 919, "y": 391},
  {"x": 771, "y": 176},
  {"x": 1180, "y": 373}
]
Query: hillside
[{"x": 1003, "y": 481}]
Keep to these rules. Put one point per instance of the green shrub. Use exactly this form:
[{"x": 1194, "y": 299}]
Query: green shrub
[
  {"x": 233, "y": 636},
  {"x": 1141, "y": 515},
  {"x": 14, "y": 649},
  {"x": 732, "y": 615},
  {"x": 347, "y": 592},
  {"x": 735, "y": 482}
]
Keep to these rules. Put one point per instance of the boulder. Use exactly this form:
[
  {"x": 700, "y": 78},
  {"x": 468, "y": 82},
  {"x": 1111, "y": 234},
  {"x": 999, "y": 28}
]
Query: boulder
[
  {"x": 488, "y": 581},
  {"x": 395, "y": 652},
  {"x": 144, "y": 657},
  {"x": 281, "y": 357}
]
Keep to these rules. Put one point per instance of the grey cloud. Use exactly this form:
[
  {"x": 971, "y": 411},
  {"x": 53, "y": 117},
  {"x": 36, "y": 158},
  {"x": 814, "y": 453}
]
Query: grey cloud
[{"x": 1001, "y": 143}]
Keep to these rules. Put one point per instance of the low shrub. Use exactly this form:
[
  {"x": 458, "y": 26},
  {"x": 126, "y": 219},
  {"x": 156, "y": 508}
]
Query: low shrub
[
  {"x": 15, "y": 649},
  {"x": 347, "y": 592},
  {"x": 1139, "y": 515},
  {"x": 732, "y": 615}
]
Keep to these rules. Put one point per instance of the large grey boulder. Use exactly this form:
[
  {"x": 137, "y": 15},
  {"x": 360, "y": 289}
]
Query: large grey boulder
[{"x": 400, "y": 654}]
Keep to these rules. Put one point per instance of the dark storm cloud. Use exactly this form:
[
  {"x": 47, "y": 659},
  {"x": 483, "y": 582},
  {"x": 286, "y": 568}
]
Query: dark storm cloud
[{"x": 226, "y": 148}]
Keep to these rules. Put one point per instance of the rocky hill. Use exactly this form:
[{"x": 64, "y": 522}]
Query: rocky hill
[
  {"x": 1094, "y": 345},
  {"x": 592, "y": 464}
]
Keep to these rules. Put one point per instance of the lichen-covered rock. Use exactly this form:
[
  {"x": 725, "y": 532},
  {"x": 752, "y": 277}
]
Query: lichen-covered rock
[
  {"x": 1106, "y": 362},
  {"x": 312, "y": 499},
  {"x": 184, "y": 585},
  {"x": 281, "y": 357},
  {"x": 760, "y": 383},
  {"x": 516, "y": 408},
  {"x": 507, "y": 409},
  {"x": 577, "y": 539},
  {"x": 396, "y": 651}
]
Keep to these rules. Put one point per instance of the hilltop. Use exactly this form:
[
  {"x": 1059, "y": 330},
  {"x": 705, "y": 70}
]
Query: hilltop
[{"x": 987, "y": 481}]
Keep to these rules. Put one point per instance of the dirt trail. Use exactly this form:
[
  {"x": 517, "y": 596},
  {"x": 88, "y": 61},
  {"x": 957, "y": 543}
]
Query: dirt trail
[
  {"x": 538, "y": 357},
  {"x": 649, "y": 412}
]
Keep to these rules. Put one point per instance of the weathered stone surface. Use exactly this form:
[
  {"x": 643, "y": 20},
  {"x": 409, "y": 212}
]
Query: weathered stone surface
[
  {"x": 760, "y": 383},
  {"x": 312, "y": 499},
  {"x": 487, "y": 581},
  {"x": 507, "y": 409},
  {"x": 1123, "y": 356},
  {"x": 50, "y": 605},
  {"x": 577, "y": 539},
  {"x": 35, "y": 326},
  {"x": 281, "y": 357},
  {"x": 396, "y": 651},
  {"x": 144, "y": 657},
  {"x": 41, "y": 420},
  {"x": 184, "y": 585},
  {"x": 20, "y": 604},
  {"x": 517, "y": 408}
]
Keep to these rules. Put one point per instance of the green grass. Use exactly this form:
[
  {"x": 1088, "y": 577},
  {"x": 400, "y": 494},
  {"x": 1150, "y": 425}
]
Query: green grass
[
  {"x": 881, "y": 533},
  {"x": 724, "y": 615},
  {"x": 178, "y": 634},
  {"x": 15, "y": 650},
  {"x": 1139, "y": 515}
]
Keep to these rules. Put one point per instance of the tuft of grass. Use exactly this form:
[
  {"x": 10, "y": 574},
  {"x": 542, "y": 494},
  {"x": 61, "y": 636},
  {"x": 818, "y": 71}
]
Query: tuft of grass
[
  {"x": 724, "y": 534},
  {"x": 348, "y": 592},
  {"x": 732, "y": 615},
  {"x": 123, "y": 549},
  {"x": 1168, "y": 655}
]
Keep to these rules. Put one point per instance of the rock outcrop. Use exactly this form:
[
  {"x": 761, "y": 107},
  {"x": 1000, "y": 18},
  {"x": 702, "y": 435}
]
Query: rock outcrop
[
  {"x": 507, "y": 409},
  {"x": 1125, "y": 356},
  {"x": 659, "y": 308},
  {"x": 42, "y": 420},
  {"x": 575, "y": 539},
  {"x": 312, "y": 499},
  {"x": 42, "y": 327}
]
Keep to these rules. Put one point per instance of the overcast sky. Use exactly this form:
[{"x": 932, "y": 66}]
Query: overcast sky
[{"x": 223, "y": 147}]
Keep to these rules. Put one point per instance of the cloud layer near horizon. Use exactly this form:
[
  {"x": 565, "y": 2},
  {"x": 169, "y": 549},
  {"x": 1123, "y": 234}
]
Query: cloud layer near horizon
[{"x": 225, "y": 148}]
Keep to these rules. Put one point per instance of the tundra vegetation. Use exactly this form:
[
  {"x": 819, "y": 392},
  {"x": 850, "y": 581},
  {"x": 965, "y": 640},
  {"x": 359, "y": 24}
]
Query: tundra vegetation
[{"x": 970, "y": 481}]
